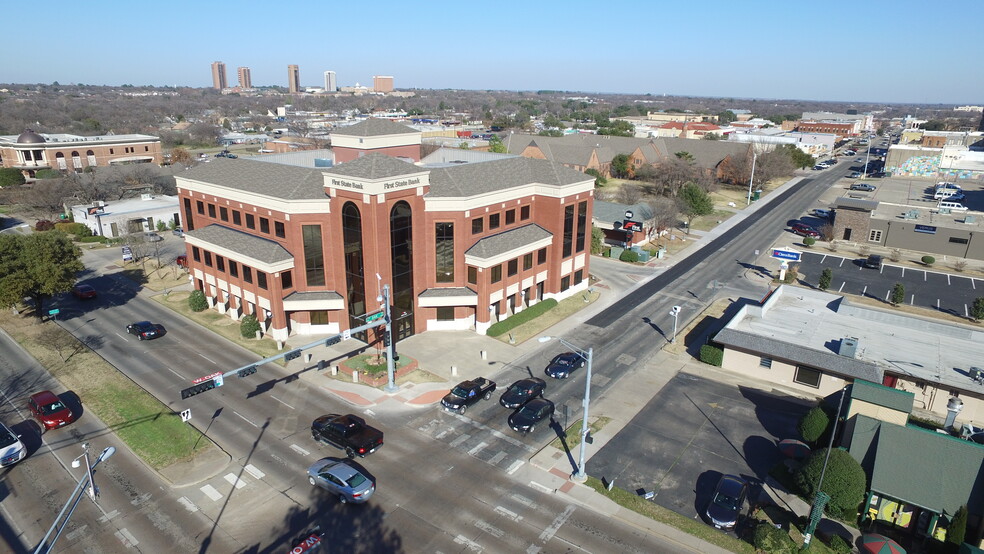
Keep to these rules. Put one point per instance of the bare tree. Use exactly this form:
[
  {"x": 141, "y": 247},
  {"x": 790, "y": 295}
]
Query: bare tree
[
  {"x": 629, "y": 193},
  {"x": 664, "y": 217}
]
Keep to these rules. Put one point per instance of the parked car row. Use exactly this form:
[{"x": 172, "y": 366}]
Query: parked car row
[{"x": 49, "y": 411}]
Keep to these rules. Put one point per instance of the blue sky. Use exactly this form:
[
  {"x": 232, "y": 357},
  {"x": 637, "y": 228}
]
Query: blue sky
[{"x": 865, "y": 51}]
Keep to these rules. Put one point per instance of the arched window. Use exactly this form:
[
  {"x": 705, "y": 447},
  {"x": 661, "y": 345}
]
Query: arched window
[
  {"x": 60, "y": 160},
  {"x": 90, "y": 157},
  {"x": 401, "y": 256},
  {"x": 355, "y": 282}
]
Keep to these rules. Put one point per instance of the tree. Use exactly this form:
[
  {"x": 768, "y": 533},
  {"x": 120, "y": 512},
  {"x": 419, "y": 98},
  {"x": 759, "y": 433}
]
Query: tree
[
  {"x": 726, "y": 117},
  {"x": 685, "y": 156},
  {"x": 813, "y": 424},
  {"x": 197, "y": 301},
  {"x": 600, "y": 180},
  {"x": 181, "y": 156},
  {"x": 898, "y": 294},
  {"x": 629, "y": 194},
  {"x": 248, "y": 326},
  {"x": 957, "y": 531},
  {"x": 694, "y": 202},
  {"x": 665, "y": 212},
  {"x": 712, "y": 136},
  {"x": 844, "y": 481},
  {"x": 597, "y": 240},
  {"x": 825, "y": 277},
  {"x": 977, "y": 309},
  {"x": 496, "y": 145},
  {"x": 39, "y": 265},
  {"x": 620, "y": 167},
  {"x": 10, "y": 176}
]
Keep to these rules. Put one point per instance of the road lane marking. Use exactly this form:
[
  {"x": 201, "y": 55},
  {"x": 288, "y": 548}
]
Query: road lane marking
[
  {"x": 459, "y": 440},
  {"x": 175, "y": 372},
  {"x": 528, "y": 502},
  {"x": 549, "y": 532},
  {"x": 470, "y": 544},
  {"x": 490, "y": 529},
  {"x": 281, "y": 401},
  {"x": 245, "y": 419},
  {"x": 234, "y": 481},
  {"x": 299, "y": 450},
  {"x": 210, "y": 492},
  {"x": 213, "y": 363},
  {"x": 508, "y": 513},
  {"x": 126, "y": 538},
  {"x": 478, "y": 448},
  {"x": 188, "y": 504},
  {"x": 254, "y": 471},
  {"x": 515, "y": 465},
  {"x": 109, "y": 516},
  {"x": 541, "y": 488}
]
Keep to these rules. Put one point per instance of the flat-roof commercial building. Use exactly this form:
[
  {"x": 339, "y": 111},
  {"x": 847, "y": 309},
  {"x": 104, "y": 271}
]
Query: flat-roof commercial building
[
  {"x": 307, "y": 250},
  {"x": 31, "y": 152}
]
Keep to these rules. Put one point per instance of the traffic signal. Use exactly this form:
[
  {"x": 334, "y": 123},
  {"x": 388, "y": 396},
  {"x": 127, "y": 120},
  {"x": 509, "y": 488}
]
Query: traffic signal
[
  {"x": 199, "y": 388},
  {"x": 249, "y": 370},
  {"x": 386, "y": 338},
  {"x": 292, "y": 355}
]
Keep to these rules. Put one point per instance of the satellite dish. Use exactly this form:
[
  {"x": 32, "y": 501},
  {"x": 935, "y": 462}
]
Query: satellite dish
[
  {"x": 617, "y": 225},
  {"x": 628, "y": 214}
]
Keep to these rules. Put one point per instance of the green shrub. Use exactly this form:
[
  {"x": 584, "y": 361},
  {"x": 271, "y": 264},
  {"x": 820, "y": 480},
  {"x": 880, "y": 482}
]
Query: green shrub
[
  {"x": 813, "y": 424},
  {"x": 248, "y": 326},
  {"x": 710, "y": 354},
  {"x": 78, "y": 229},
  {"x": 47, "y": 174},
  {"x": 839, "y": 545},
  {"x": 928, "y": 260},
  {"x": 629, "y": 256},
  {"x": 93, "y": 239},
  {"x": 809, "y": 241},
  {"x": 513, "y": 321},
  {"x": 197, "y": 301},
  {"x": 844, "y": 481},
  {"x": 898, "y": 294},
  {"x": 768, "y": 538},
  {"x": 826, "y": 276},
  {"x": 957, "y": 531}
]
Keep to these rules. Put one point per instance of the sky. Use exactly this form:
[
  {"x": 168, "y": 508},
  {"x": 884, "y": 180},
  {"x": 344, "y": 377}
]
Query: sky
[{"x": 891, "y": 51}]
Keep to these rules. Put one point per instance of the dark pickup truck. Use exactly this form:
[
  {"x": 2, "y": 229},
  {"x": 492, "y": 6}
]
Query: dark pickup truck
[
  {"x": 348, "y": 432},
  {"x": 466, "y": 393}
]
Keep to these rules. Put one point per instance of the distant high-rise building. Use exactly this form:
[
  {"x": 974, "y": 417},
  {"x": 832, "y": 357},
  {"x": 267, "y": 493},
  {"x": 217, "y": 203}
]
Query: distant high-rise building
[
  {"x": 980, "y": 127},
  {"x": 245, "y": 81},
  {"x": 218, "y": 75},
  {"x": 330, "y": 84},
  {"x": 293, "y": 79},
  {"x": 382, "y": 83}
]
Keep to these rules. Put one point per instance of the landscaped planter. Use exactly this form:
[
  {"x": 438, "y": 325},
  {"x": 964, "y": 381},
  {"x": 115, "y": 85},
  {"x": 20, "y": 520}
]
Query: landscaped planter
[{"x": 381, "y": 378}]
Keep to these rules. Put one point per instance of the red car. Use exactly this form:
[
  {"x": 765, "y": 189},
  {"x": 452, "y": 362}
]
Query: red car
[
  {"x": 49, "y": 410},
  {"x": 181, "y": 261},
  {"x": 805, "y": 230},
  {"x": 83, "y": 292}
]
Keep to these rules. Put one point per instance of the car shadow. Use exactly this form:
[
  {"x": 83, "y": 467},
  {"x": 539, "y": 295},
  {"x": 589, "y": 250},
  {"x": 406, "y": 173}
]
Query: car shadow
[
  {"x": 73, "y": 402},
  {"x": 703, "y": 491}
]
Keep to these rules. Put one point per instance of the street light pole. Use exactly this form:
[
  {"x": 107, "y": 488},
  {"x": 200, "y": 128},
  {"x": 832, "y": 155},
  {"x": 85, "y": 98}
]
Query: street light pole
[
  {"x": 821, "y": 498},
  {"x": 674, "y": 312},
  {"x": 751, "y": 179},
  {"x": 580, "y": 476}
]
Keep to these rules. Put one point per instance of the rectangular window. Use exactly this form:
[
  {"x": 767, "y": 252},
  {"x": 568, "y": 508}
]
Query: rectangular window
[
  {"x": 279, "y": 229},
  {"x": 497, "y": 273},
  {"x": 541, "y": 256},
  {"x": 286, "y": 280},
  {"x": 220, "y": 263},
  {"x": 524, "y": 213},
  {"x": 510, "y": 217},
  {"x": 958, "y": 240},
  {"x": 319, "y": 317},
  {"x": 201, "y": 207},
  {"x": 568, "y": 243},
  {"x": 493, "y": 221},
  {"x": 874, "y": 235},
  {"x": 247, "y": 274},
  {"x": 261, "y": 280},
  {"x": 250, "y": 221},
  {"x": 445, "y": 313},
  {"x": 807, "y": 376},
  {"x": 444, "y": 250},
  {"x": 314, "y": 256},
  {"x": 565, "y": 283},
  {"x": 472, "y": 275},
  {"x": 237, "y": 218},
  {"x": 578, "y": 276},
  {"x": 512, "y": 267},
  {"x": 208, "y": 258},
  {"x": 264, "y": 225},
  {"x": 582, "y": 225},
  {"x": 478, "y": 225},
  {"x": 211, "y": 211},
  {"x": 233, "y": 269},
  {"x": 765, "y": 362},
  {"x": 223, "y": 213},
  {"x": 528, "y": 261},
  {"x": 196, "y": 254}
]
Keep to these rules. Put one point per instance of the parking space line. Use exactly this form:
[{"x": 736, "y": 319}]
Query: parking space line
[
  {"x": 459, "y": 440},
  {"x": 478, "y": 448}
]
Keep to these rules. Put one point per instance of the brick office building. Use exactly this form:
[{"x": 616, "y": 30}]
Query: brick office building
[
  {"x": 307, "y": 250},
  {"x": 31, "y": 152}
]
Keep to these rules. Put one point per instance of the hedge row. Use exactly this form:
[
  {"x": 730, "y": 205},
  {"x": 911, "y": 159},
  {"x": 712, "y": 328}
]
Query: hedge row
[{"x": 511, "y": 322}]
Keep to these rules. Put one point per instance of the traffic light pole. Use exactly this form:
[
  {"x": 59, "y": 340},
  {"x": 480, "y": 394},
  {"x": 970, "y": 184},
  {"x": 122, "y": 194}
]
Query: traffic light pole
[{"x": 390, "y": 364}]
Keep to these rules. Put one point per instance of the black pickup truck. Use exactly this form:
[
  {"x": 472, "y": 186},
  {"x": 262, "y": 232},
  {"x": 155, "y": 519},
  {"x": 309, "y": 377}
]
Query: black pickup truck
[
  {"x": 348, "y": 432},
  {"x": 466, "y": 393}
]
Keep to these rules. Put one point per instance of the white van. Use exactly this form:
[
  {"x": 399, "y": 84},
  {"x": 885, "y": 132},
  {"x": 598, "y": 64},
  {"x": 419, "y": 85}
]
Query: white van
[
  {"x": 942, "y": 193},
  {"x": 952, "y": 206}
]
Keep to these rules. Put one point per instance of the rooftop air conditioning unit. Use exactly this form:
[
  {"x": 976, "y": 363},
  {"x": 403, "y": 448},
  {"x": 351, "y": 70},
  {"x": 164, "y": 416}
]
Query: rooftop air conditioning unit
[{"x": 848, "y": 347}]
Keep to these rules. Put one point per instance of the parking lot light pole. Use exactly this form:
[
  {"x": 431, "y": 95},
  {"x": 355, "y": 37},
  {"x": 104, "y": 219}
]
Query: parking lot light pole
[
  {"x": 674, "y": 312},
  {"x": 751, "y": 179},
  {"x": 580, "y": 476}
]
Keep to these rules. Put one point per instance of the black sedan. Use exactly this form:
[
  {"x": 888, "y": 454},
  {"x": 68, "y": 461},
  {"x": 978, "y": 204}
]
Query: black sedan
[
  {"x": 145, "y": 330},
  {"x": 726, "y": 504},
  {"x": 521, "y": 392},
  {"x": 564, "y": 364},
  {"x": 524, "y": 419}
]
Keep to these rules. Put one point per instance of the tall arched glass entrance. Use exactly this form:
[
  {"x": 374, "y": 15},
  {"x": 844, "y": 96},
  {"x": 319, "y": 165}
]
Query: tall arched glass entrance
[{"x": 401, "y": 256}]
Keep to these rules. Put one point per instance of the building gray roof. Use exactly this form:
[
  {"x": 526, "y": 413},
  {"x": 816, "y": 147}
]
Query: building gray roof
[
  {"x": 374, "y": 127},
  {"x": 446, "y": 292},
  {"x": 612, "y": 211},
  {"x": 466, "y": 180},
  {"x": 856, "y": 204},
  {"x": 920, "y": 467},
  {"x": 313, "y": 295},
  {"x": 374, "y": 166},
  {"x": 828, "y": 362},
  {"x": 257, "y": 248},
  {"x": 880, "y": 395},
  {"x": 266, "y": 179},
  {"x": 496, "y": 245}
]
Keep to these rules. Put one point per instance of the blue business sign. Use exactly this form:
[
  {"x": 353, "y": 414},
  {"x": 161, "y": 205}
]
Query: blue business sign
[
  {"x": 925, "y": 229},
  {"x": 786, "y": 254}
]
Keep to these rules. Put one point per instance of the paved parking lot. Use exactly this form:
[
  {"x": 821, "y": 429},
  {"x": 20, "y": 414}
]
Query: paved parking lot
[{"x": 690, "y": 434}]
